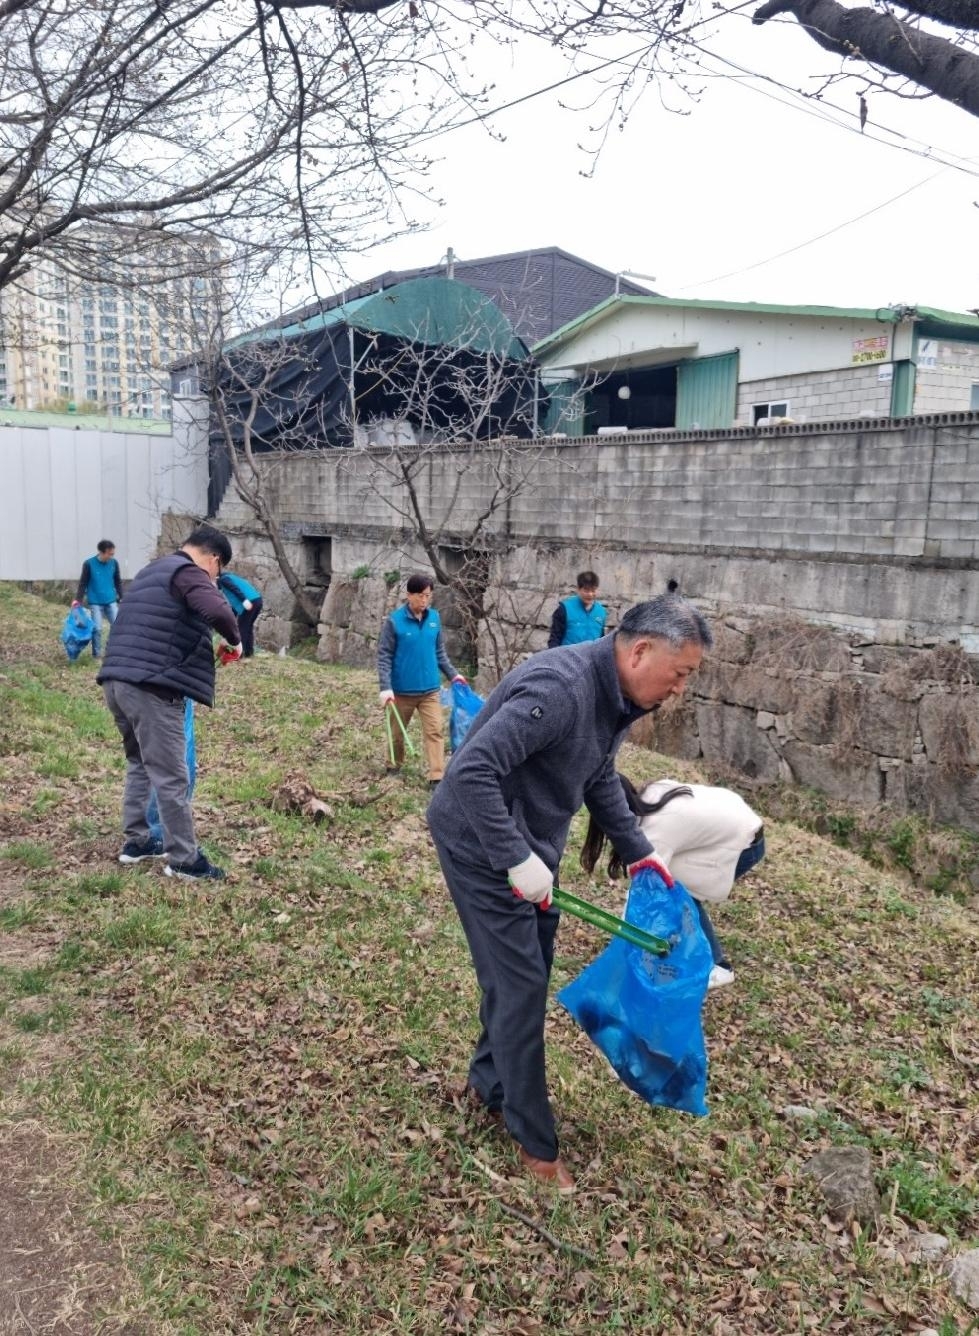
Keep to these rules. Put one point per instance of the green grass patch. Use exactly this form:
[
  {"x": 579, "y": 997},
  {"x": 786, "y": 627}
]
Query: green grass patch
[{"x": 28, "y": 853}]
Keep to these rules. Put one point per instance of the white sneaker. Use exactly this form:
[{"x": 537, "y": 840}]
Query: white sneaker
[{"x": 719, "y": 977}]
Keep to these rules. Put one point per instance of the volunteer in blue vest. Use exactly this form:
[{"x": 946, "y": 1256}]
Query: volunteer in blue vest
[
  {"x": 543, "y": 744},
  {"x": 579, "y": 618},
  {"x": 101, "y": 586},
  {"x": 246, "y": 604},
  {"x": 410, "y": 657},
  {"x": 159, "y": 653}
]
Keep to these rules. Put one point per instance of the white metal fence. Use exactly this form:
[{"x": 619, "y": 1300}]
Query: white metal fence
[{"x": 62, "y": 488}]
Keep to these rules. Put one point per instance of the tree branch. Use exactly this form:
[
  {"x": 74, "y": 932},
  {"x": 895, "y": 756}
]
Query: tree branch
[{"x": 883, "y": 41}]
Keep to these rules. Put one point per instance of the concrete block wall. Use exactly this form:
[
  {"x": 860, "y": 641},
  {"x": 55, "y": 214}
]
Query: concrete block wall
[
  {"x": 947, "y": 386},
  {"x": 859, "y": 524},
  {"x": 865, "y": 530},
  {"x": 829, "y": 395}
]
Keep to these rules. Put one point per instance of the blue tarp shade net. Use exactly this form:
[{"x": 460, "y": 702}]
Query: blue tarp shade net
[
  {"x": 77, "y": 631},
  {"x": 643, "y": 1011}
]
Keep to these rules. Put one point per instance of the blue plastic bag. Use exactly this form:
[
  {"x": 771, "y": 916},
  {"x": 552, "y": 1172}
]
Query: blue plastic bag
[
  {"x": 643, "y": 1011},
  {"x": 77, "y": 631},
  {"x": 466, "y": 704}
]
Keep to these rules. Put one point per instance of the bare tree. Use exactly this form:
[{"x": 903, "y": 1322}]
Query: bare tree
[
  {"x": 467, "y": 409},
  {"x": 295, "y": 128},
  {"x": 420, "y": 394},
  {"x": 271, "y": 130}
]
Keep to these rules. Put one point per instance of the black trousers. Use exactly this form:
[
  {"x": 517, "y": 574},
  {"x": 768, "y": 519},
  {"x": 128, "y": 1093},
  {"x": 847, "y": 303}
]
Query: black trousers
[
  {"x": 246, "y": 628},
  {"x": 512, "y": 948}
]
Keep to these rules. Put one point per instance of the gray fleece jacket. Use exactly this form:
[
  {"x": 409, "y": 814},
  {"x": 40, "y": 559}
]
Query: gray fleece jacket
[{"x": 543, "y": 744}]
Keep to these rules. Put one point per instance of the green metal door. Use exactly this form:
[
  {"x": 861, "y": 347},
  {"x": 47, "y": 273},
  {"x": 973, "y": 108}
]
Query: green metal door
[
  {"x": 707, "y": 391},
  {"x": 565, "y": 408}
]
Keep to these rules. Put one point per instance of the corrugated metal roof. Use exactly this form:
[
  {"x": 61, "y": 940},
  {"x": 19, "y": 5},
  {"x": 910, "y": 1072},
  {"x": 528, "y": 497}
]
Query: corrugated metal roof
[{"x": 893, "y": 315}]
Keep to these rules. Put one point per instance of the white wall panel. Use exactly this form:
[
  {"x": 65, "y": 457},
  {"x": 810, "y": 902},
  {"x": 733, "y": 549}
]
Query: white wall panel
[{"x": 64, "y": 488}]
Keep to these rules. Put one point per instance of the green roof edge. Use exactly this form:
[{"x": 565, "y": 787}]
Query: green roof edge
[{"x": 891, "y": 315}]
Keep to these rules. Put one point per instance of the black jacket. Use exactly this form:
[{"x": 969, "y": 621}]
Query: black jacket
[{"x": 158, "y": 641}]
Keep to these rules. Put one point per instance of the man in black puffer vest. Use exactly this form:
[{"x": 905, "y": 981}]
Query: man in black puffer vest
[{"x": 159, "y": 652}]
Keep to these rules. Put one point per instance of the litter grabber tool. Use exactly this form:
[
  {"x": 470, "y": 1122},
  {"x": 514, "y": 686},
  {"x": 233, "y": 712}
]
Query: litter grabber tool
[
  {"x": 390, "y": 709},
  {"x": 609, "y": 922}
]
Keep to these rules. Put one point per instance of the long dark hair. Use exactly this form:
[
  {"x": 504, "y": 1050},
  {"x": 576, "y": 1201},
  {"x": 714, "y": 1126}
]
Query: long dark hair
[{"x": 591, "y": 850}]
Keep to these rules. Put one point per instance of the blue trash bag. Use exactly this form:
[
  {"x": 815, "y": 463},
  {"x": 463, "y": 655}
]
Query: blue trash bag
[
  {"x": 77, "y": 631},
  {"x": 643, "y": 1011},
  {"x": 466, "y": 704}
]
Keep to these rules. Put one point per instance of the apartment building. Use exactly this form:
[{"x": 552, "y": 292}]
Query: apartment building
[{"x": 104, "y": 342}]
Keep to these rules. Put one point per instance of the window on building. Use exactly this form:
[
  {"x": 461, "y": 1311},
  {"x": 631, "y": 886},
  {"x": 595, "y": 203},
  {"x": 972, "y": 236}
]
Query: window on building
[
  {"x": 776, "y": 409},
  {"x": 974, "y": 399}
]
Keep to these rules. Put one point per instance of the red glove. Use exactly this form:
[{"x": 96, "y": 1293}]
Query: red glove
[{"x": 656, "y": 866}]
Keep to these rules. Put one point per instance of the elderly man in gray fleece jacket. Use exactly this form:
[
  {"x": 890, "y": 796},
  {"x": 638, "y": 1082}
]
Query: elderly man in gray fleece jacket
[{"x": 543, "y": 744}]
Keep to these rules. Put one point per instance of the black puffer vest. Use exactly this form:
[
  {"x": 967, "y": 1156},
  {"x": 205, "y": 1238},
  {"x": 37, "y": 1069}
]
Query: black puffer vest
[{"x": 157, "y": 640}]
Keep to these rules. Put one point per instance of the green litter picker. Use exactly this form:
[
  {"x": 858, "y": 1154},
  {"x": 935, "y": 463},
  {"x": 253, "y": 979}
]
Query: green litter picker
[
  {"x": 608, "y": 922},
  {"x": 389, "y": 709}
]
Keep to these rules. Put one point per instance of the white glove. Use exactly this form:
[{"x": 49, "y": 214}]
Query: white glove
[
  {"x": 459, "y": 678},
  {"x": 246, "y": 603},
  {"x": 386, "y": 697},
  {"x": 532, "y": 880}
]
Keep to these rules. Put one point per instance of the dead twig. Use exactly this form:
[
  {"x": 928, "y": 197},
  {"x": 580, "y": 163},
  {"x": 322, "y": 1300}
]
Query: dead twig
[{"x": 560, "y": 1244}]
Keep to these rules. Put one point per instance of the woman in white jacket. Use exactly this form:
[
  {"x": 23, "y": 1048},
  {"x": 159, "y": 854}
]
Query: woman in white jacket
[{"x": 708, "y": 837}]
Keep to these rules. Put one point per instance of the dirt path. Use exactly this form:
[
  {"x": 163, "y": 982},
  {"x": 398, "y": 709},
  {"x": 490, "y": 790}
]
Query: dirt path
[{"x": 56, "y": 1274}]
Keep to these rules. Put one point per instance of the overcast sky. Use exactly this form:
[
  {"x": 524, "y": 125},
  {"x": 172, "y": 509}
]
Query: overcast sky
[{"x": 707, "y": 201}]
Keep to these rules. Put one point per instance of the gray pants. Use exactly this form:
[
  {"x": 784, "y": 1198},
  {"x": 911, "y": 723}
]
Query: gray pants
[
  {"x": 512, "y": 947},
  {"x": 153, "y": 738}
]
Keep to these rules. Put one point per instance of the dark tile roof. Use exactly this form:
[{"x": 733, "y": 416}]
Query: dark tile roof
[{"x": 538, "y": 290}]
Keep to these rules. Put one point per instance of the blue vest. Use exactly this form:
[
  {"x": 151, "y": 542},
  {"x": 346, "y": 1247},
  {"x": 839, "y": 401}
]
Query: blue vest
[
  {"x": 582, "y": 625},
  {"x": 101, "y": 587},
  {"x": 158, "y": 640},
  {"x": 415, "y": 666}
]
